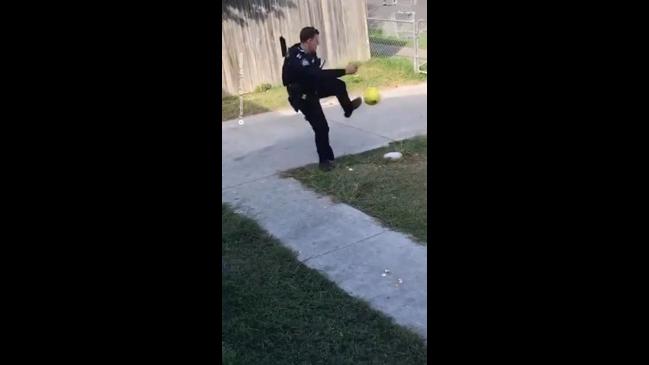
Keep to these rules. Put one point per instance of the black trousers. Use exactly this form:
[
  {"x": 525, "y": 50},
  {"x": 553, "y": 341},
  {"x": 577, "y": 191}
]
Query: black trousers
[{"x": 313, "y": 113}]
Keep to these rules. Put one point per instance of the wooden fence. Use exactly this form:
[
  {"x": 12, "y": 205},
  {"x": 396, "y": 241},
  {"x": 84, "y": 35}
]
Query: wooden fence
[{"x": 253, "y": 27}]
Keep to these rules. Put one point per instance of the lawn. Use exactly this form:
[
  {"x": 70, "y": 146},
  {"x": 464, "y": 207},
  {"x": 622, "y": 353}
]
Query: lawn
[
  {"x": 254, "y": 103},
  {"x": 394, "y": 192},
  {"x": 377, "y": 36},
  {"x": 377, "y": 72},
  {"x": 275, "y": 310}
]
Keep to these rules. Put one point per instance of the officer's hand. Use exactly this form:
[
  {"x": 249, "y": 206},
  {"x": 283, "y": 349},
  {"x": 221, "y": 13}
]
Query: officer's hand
[{"x": 351, "y": 69}]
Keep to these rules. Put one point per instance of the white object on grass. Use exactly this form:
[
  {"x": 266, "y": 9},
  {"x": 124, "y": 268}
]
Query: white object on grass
[{"x": 393, "y": 156}]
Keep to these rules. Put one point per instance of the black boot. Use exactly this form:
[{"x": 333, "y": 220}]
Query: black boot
[
  {"x": 352, "y": 106},
  {"x": 327, "y": 165}
]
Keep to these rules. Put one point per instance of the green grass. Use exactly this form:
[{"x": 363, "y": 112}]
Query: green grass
[
  {"x": 254, "y": 103},
  {"x": 394, "y": 192},
  {"x": 383, "y": 73},
  {"x": 377, "y": 36},
  {"x": 275, "y": 310},
  {"x": 377, "y": 72}
]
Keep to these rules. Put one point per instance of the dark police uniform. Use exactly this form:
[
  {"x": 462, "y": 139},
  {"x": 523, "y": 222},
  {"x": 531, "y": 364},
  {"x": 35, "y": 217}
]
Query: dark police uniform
[{"x": 306, "y": 83}]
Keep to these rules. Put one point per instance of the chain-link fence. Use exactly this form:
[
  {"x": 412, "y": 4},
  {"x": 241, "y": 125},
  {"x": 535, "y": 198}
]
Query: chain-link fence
[
  {"x": 391, "y": 37},
  {"x": 399, "y": 2},
  {"x": 403, "y": 37},
  {"x": 421, "y": 49}
]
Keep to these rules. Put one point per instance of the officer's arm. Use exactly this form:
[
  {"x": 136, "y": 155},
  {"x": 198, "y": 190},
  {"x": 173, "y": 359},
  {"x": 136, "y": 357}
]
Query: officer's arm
[
  {"x": 332, "y": 73},
  {"x": 315, "y": 73},
  {"x": 337, "y": 72},
  {"x": 310, "y": 72}
]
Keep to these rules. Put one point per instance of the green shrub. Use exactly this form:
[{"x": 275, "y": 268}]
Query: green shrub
[{"x": 263, "y": 87}]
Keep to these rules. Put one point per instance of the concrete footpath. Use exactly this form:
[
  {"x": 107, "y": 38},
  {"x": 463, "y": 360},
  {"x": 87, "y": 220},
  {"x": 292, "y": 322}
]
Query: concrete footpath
[{"x": 344, "y": 244}]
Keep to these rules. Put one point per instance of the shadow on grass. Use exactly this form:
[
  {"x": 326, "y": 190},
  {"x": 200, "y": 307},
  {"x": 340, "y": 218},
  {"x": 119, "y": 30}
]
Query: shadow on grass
[{"x": 276, "y": 310}]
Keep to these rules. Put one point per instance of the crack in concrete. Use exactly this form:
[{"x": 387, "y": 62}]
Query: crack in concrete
[
  {"x": 248, "y": 182},
  {"x": 363, "y": 130},
  {"x": 345, "y": 246}
]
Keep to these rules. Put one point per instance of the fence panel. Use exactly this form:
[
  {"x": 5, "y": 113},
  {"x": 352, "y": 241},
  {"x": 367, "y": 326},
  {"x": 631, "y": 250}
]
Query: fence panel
[
  {"x": 421, "y": 59},
  {"x": 391, "y": 37},
  {"x": 253, "y": 28}
]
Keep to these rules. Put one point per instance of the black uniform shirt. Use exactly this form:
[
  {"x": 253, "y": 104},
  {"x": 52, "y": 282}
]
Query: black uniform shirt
[{"x": 303, "y": 68}]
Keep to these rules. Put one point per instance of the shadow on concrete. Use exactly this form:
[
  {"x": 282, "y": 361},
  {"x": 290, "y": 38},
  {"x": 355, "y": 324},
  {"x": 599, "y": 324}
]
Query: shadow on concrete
[{"x": 243, "y": 11}]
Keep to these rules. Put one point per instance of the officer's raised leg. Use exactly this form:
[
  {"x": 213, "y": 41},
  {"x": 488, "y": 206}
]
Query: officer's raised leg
[{"x": 333, "y": 86}]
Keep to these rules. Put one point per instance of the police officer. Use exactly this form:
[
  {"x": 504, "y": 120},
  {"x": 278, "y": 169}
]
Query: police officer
[{"x": 306, "y": 83}]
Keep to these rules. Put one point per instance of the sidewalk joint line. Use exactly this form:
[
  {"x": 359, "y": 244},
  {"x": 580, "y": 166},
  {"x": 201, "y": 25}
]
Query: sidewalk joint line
[
  {"x": 345, "y": 246},
  {"x": 363, "y": 130},
  {"x": 248, "y": 182}
]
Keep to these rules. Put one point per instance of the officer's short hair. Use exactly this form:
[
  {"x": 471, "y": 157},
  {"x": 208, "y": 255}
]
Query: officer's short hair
[{"x": 308, "y": 33}]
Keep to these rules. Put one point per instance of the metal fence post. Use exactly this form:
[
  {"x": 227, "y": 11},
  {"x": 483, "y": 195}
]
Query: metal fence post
[
  {"x": 241, "y": 88},
  {"x": 415, "y": 40}
]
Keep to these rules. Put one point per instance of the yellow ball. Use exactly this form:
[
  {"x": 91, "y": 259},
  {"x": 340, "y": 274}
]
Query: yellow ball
[{"x": 371, "y": 96}]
